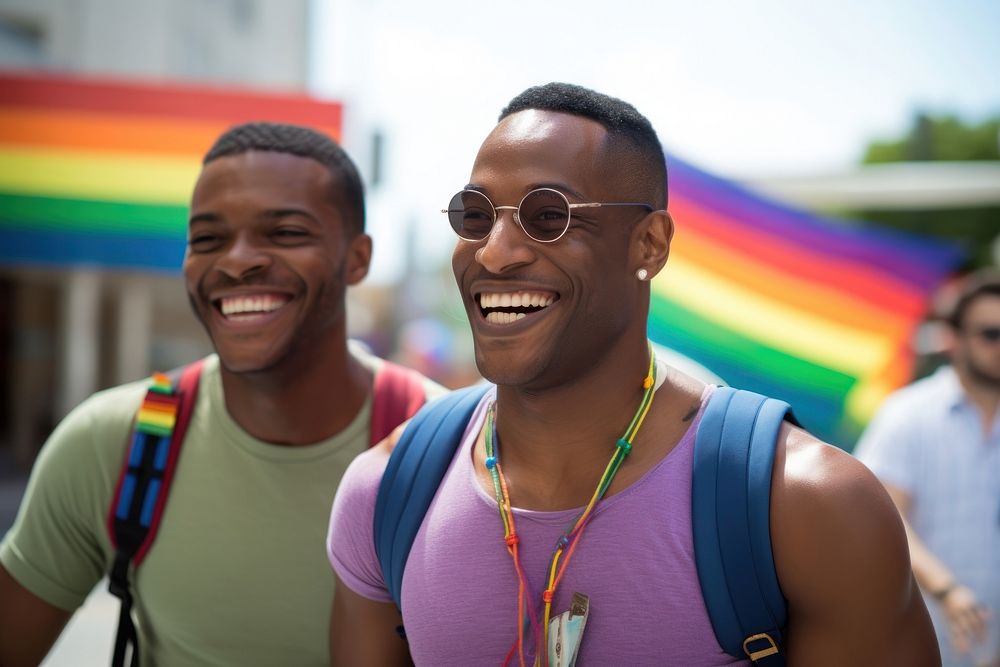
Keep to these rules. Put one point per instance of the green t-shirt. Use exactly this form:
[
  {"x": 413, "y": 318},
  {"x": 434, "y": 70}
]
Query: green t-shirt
[{"x": 238, "y": 573}]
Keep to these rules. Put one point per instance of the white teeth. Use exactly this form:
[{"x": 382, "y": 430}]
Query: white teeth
[
  {"x": 499, "y": 317},
  {"x": 515, "y": 300},
  {"x": 251, "y": 304},
  {"x": 494, "y": 302}
]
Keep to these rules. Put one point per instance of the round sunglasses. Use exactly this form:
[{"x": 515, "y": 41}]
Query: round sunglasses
[{"x": 543, "y": 214}]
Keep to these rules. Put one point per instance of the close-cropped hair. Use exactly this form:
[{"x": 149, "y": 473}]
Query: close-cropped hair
[
  {"x": 630, "y": 134},
  {"x": 985, "y": 282},
  {"x": 349, "y": 191}
]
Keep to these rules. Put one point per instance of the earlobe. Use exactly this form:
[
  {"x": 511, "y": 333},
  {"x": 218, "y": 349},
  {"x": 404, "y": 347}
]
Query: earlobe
[
  {"x": 652, "y": 244},
  {"x": 359, "y": 257}
]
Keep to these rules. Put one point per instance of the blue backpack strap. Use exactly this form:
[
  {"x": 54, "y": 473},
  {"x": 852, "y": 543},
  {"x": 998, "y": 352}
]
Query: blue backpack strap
[
  {"x": 731, "y": 500},
  {"x": 411, "y": 478}
]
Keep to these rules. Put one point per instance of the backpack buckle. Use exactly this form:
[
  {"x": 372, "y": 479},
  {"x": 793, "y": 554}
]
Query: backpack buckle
[{"x": 763, "y": 652}]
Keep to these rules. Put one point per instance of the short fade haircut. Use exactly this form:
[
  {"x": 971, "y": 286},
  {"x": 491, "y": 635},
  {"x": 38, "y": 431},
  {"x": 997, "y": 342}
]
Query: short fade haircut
[
  {"x": 984, "y": 282},
  {"x": 629, "y": 132},
  {"x": 303, "y": 142}
]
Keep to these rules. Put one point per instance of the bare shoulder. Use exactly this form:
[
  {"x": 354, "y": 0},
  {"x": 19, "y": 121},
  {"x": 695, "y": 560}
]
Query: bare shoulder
[
  {"x": 842, "y": 559},
  {"x": 810, "y": 470},
  {"x": 827, "y": 506}
]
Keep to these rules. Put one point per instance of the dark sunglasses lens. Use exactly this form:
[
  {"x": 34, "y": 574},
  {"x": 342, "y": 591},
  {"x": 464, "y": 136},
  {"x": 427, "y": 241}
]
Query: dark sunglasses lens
[
  {"x": 990, "y": 334},
  {"x": 544, "y": 215},
  {"x": 471, "y": 215}
]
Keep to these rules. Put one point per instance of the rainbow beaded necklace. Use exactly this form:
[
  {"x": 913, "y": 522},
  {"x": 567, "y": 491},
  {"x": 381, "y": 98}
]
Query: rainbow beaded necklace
[{"x": 567, "y": 542}]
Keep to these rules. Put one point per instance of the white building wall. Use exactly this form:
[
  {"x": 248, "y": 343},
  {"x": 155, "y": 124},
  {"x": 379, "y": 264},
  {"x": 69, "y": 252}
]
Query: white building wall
[
  {"x": 255, "y": 44},
  {"x": 261, "y": 43}
]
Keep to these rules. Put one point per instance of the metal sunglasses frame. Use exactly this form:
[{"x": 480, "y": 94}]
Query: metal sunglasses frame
[{"x": 517, "y": 218}]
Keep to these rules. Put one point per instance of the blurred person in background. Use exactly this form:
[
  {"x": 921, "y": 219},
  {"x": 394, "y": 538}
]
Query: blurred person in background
[
  {"x": 237, "y": 574},
  {"x": 935, "y": 445}
]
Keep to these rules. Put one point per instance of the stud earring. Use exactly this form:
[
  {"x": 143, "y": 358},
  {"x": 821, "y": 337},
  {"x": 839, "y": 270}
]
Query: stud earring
[{"x": 642, "y": 274}]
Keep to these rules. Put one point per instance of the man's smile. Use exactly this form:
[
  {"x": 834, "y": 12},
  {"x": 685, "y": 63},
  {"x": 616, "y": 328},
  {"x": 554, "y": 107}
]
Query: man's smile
[
  {"x": 249, "y": 307},
  {"x": 510, "y": 307}
]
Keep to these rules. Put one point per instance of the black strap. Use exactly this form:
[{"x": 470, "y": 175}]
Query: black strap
[
  {"x": 142, "y": 488},
  {"x": 126, "y": 639}
]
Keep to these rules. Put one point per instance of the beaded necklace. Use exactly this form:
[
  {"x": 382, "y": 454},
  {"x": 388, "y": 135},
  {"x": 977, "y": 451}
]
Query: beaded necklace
[{"x": 567, "y": 542}]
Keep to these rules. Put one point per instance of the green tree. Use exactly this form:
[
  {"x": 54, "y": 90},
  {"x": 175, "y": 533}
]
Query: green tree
[{"x": 943, "y": 138}]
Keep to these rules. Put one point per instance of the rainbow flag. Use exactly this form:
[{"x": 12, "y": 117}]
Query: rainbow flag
[
  {"x": 819, "y": 313},
  {"x": 100, "y": 172},
  {"x": 773, "y": 299}
]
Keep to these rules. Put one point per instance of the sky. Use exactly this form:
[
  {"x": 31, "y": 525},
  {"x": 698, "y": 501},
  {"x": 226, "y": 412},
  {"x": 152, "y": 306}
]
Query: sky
[{"x": 742, "y": 89}]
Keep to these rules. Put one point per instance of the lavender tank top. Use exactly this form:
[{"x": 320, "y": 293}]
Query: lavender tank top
[{"x": 635, "y": 561}]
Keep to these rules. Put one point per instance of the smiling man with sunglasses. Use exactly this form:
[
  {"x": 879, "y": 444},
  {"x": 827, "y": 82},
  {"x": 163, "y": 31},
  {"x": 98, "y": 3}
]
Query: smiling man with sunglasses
[
  {"x": 561, "y": 532},
  {"x": 936, "y": 446}
]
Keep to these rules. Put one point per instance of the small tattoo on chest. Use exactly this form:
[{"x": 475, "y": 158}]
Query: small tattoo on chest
[{"x": 691, "y": 413}]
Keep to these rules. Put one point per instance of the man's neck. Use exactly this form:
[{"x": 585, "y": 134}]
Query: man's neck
[
  {"x": 588, "y": 414},
  {"x": 554, "y": 444},
  {"x": 298, "y": 402}
]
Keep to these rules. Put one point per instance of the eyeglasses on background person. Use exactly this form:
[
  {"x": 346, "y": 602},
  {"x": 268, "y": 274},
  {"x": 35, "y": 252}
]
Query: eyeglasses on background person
[{"x": 988, "y": 334}]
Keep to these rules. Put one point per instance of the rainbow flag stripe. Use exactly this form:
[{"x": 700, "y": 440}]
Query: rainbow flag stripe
[
  {"x": 100, "y": 172},
  {"x": 817, "y": 312},
  {"x": 773, "y": 299}
]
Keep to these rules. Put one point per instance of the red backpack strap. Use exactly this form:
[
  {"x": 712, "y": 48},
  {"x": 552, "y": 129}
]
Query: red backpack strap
[
  {"x": 148, "y": 469},
  {"x": 398, "y": 394},
  {"x": 144, "y": 484}
]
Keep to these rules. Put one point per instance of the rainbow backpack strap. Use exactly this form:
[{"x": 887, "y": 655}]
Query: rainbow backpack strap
[
  {"x": 731, "y": 502},
  {"x": 143, "y": 487}
]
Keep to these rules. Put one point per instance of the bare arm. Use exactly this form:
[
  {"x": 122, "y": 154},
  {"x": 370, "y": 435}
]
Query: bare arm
[
  {"x": 842, "y": 558},
  {"x": 28, "y": 625},
  {"x": 363, "y": 632},
  {"x": 966, "y": 618}
]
